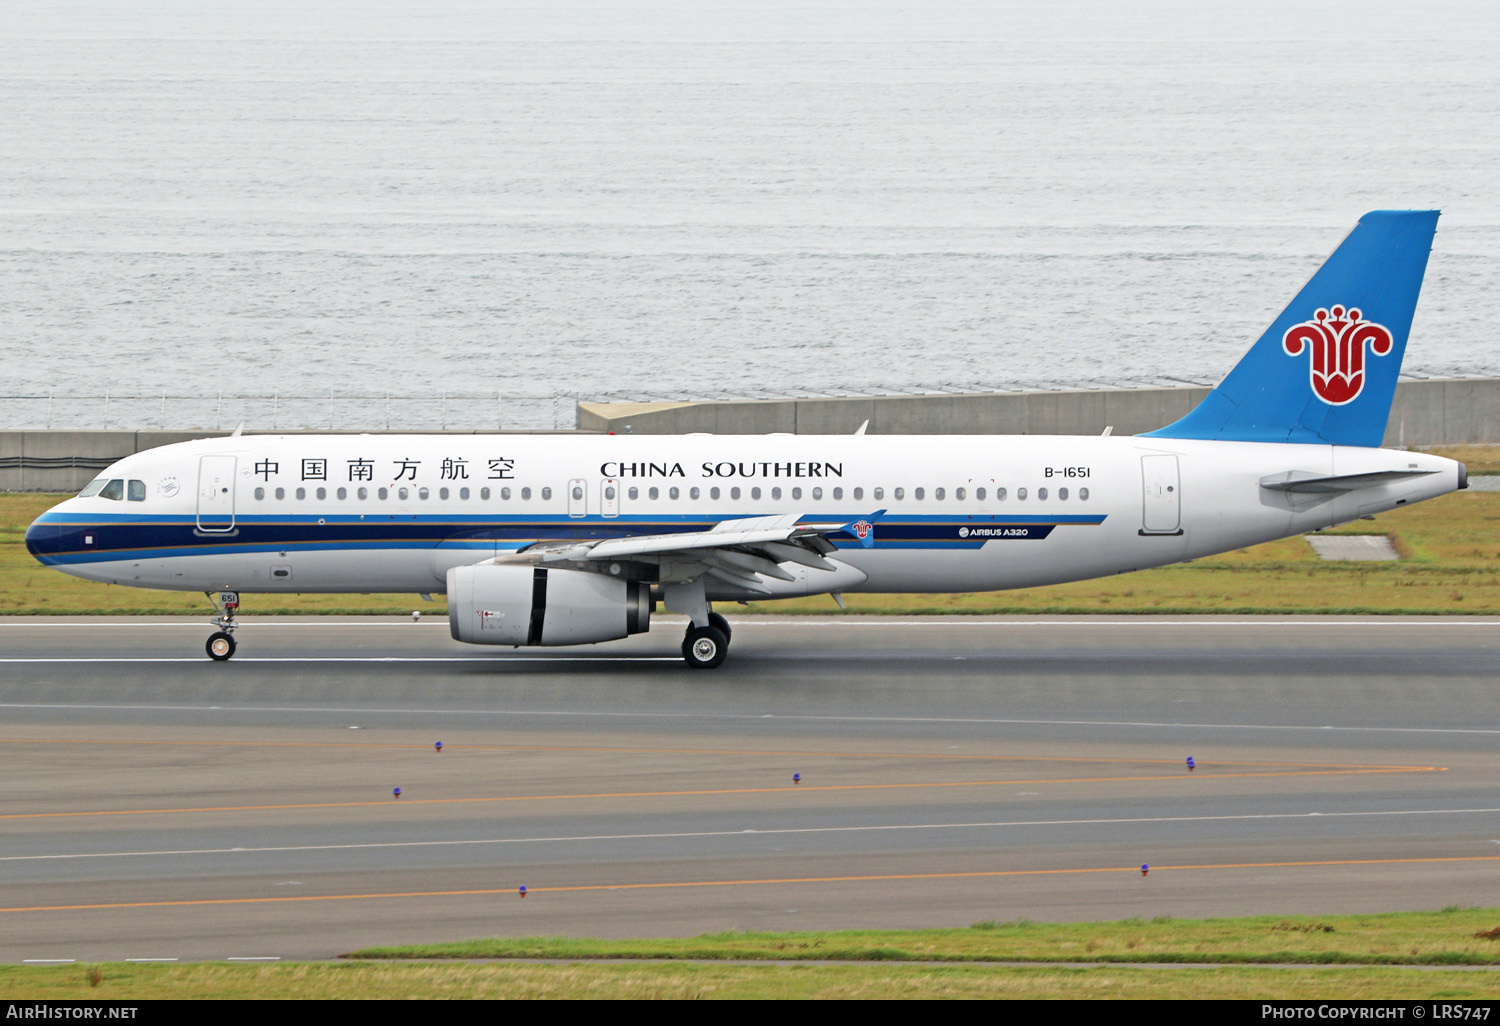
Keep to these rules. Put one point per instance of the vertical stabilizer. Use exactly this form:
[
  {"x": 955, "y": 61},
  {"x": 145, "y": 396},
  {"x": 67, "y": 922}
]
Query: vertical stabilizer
[{"x": 1326, "y": 369}]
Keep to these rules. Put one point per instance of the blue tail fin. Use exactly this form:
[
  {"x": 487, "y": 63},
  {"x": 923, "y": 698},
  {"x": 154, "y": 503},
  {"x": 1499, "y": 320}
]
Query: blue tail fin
[{"x": 1326, "y": 370}]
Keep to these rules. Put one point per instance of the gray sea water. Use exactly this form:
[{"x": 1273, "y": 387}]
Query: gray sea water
[{"x": 652, "y": 199}]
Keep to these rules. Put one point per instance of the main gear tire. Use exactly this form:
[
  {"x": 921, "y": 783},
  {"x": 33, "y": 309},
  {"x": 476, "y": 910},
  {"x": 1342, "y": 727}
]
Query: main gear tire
[{"x": 704, "y": 648}]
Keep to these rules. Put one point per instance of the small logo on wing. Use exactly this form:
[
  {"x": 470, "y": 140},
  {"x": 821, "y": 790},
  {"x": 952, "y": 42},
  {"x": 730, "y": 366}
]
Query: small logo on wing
[
  {"x": 862, "y": 529},
  {"x": 1337, "y": 339}
]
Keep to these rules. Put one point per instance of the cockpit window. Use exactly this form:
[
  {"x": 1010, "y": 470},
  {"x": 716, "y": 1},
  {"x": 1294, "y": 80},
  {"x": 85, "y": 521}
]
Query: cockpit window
[
  {"x": 137, "y": 492},
  {"x": 93, "y": 488},
  {"x": 114, "y": 490}
]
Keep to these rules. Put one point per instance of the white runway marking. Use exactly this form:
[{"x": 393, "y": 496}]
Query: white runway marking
[
  {"x": 564, "y": 713},
  {"x": 872, "y": 621},
  {"x": 349, "y": 659},
  {"x": 762, "y": 832}
]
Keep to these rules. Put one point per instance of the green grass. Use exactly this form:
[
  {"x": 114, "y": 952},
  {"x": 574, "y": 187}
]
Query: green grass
[
  {"x": 1359, "y": 953},
  {"x": 677, "y": 981},
  {"x": 1450, "y": 566},
  {"x": 1449, "y": 937}
]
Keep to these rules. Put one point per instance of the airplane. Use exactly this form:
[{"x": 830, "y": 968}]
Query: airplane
[{"x": 567, "y": 540}]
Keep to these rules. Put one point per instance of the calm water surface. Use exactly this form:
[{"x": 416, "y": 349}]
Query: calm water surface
[{"x": 658, "y": 198}]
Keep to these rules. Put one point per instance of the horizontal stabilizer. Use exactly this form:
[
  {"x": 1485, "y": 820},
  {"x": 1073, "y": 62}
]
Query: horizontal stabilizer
[{"x": 1304, "y": 481}]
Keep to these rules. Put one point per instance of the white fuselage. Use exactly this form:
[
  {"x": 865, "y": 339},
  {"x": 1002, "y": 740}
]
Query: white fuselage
[{"x": 364, "y": 513}]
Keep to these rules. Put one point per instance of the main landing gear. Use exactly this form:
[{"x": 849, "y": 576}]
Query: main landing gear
[
  {"x": 705, "y": 647},
  {"x": 220, "y": 645}
]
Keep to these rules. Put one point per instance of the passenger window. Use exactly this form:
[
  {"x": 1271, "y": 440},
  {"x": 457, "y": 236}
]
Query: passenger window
[
  {"x": 899, "y": 493},
  {"x": 776, "y": 492},
  {"x": 958, "y": 493},
  {"x": 92, "y": 488},
  {"x": 1041, "y": 494},
  {"x": 1083, "y": 494},
  {"x": 917, "y": 494},
  {"x": 401, "y": 493},
  {"x": 693, "y": 493},
  {"x": 422, "y": 493},
  {"x": 322, "y": 493},
  {"x": 838, "y": 493},
  {"x": 463, "y": 493},
  {"x": 343, "y": 493},
  {"x": 979, "y": 493},
  {"x": 937, "y": 493},
  {"x": 442, "y": 493},
  {"x": 363, "y": 492},
  {"x": 301, "y": 493},
  {"x": 817, "y": 493},
  {"x": 484, "y": 493},
  {"x": 1020, "y": 495},
  {"x": 546, "y": 493},
  {"x": 609, "y": 493},
  {"x": 633, "y": 494},
  {"x": 525, "y": 493},
  {"x": 577, "y": 493},
  {"x": 859, "y": 493},
  {"x": 380, "y": 493},
  {"x": 281, "y": 493},
  {"x": 755, "y": 493},
  {"x": 879, "y": 493},
  {"x": 654, "y": 493},
  {"x": 796, "y": 493},
  {"x": 672, "y": 493},
  {"x": 734, "y": 493},
  {"x": 1062, "y": 494},
  {"x": 114, "y": 490},
  {"x": 260, "y": 493},
  {"x": 137, "y": 491}
]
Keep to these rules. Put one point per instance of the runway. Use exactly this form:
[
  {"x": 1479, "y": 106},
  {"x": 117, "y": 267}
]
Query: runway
[{"x": 160, "y": 806}]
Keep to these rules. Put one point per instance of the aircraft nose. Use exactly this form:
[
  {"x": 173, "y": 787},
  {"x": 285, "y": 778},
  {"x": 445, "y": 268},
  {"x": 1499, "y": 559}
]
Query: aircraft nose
[
  {"x": 34, "y": 538},
  {"x": 43, "y": 539}
]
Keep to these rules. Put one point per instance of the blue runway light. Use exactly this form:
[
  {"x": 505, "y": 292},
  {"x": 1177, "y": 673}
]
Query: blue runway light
[
  {"x": 1190, "y": 763},
  {"x": 1145, "y": 869},
  {"x": 796, "y": 778},
  {"x": 438, "y": 747},
  {"x": 522, "y": 892},
  {"x": 396, "y": 792}
]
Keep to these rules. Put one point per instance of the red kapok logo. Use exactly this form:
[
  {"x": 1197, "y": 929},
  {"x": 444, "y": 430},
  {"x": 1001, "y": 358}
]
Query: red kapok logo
[{"x": 1337, "y": 341}]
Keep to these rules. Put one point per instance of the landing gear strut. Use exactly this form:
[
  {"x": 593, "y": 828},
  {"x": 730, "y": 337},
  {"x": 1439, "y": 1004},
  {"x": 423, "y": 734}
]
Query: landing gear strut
[
  {"x": 220, "y": 645},
  {"x": 706, "y": 642}
]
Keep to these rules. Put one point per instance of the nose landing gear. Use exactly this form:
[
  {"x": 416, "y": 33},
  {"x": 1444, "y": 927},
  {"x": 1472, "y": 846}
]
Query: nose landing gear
[{"x": 220, "y": 645}]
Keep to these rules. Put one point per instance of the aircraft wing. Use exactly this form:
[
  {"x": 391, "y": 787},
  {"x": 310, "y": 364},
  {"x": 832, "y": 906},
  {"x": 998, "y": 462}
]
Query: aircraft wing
[{"x": 734, "y": 551}]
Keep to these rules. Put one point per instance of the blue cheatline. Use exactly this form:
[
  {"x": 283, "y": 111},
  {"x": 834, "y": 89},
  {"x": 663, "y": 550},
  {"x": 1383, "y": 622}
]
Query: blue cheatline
[{"x": 1318, "y": 374}]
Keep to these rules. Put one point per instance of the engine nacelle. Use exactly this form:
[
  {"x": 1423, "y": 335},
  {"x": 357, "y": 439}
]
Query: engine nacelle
[{"x": 535, "y": 605}]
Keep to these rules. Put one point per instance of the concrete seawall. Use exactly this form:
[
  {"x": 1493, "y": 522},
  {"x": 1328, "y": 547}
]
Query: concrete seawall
[
  {"x": 65, "y": 461},
  {"x": 1435, "y": 412}
]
